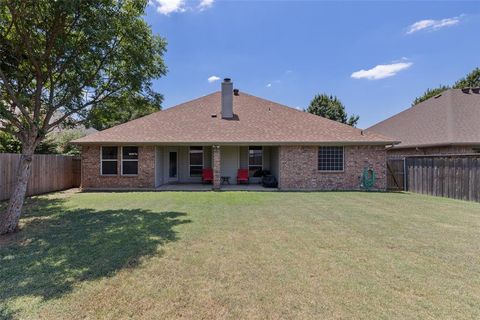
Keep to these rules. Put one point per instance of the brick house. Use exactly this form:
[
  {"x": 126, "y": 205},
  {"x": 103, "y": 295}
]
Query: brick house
[
  {"x": 442, "y": 125},
  {"x": 226, "y": 131}
]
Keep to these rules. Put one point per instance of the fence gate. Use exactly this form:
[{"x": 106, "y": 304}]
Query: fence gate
[{"x": 395, "y": 175}]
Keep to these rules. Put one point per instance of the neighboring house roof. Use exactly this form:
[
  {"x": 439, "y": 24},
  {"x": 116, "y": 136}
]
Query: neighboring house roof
[
  {"x": 256, "y": 121},
  {"x": 61, "y": 128},
  {"x": 58, "y": 129},
  {"x": 450, "y": 118}
]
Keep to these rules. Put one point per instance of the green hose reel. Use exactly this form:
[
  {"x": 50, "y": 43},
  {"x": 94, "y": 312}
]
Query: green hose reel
[{"x": 368, "y": 178}]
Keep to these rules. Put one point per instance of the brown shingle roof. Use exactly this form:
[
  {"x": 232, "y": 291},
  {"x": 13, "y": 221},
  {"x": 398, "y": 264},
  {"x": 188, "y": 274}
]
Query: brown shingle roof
[
  {"x": 256, "y": 121},
  {"x": 452, "y": 118}
]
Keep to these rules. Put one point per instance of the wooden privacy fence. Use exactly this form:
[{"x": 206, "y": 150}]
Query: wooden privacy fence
[
  {"x": 49, "y": 173},
  {"x": 452, "y": 176}
]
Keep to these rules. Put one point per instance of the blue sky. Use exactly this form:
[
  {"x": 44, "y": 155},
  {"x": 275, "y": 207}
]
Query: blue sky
[{"x": 376, "y": 57}]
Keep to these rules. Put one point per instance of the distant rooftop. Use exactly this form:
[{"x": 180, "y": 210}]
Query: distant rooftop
[{"x": 450, "y": 118}]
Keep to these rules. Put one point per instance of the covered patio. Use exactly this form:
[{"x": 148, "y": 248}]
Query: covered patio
[
  {"x": 180, "y": 167},
  {"x": 208, "y": 187}
]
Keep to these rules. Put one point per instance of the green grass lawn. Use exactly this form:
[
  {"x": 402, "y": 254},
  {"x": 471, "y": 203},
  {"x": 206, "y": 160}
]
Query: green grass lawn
[{"x": 240, "y": 255}]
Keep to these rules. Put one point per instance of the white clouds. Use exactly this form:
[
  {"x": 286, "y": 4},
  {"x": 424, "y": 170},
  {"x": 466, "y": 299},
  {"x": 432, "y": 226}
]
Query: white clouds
[
  {"x": 213, "y": 79},
  {"x": 284, "y": 77},
  {"x": 432, "y": 25},
  {"x": 167, "y": 7},
  {"x": 204, "y": 4},
  {"x": 381, "y": 71}
]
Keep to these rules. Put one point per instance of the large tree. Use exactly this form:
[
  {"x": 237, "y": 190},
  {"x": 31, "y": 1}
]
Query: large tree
[
  {"x": 332, "y": 108},
  {"x": 62, "y": 60}
]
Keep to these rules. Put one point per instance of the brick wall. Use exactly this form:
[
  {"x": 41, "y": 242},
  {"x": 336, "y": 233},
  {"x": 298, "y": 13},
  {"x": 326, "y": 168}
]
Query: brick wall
[
  {"x": 92, "y": 179},
  {"x": 299, "y": 168},
  {"x": 446, "y": 150}
]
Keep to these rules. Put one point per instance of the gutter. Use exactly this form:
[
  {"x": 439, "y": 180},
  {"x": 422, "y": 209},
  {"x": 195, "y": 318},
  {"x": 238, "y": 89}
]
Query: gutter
[
  {"x": 440, "y": 144},
  {"x": 242, "y": 143}
]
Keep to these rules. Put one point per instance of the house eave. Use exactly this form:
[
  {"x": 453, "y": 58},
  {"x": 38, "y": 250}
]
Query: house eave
[
  {"x": 238, "y": 143},
  {"x": 435, "y": 145}
]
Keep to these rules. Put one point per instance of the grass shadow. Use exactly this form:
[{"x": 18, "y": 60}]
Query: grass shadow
[
  {"x": 59, "y": 246},
  {"x": 5, "y": 313}
]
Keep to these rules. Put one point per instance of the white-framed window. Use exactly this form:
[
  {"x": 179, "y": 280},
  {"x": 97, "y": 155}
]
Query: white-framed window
[
  {"x": 330, "y": 158},
  {"x": 108, "y": 161},
  {"x": 255, "y": 161},
  {"x": 196, "y": 161},
  {"x": 129, "y": 161}
]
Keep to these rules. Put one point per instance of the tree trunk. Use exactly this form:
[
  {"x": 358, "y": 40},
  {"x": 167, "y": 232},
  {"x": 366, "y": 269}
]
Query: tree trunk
[{"x": 10, "y": 218}]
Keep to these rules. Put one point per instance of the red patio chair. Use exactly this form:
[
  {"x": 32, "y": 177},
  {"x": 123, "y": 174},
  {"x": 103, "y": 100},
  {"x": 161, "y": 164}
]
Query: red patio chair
[
  {"x": 242, "y": 176},
  {"x": 207, "y": 175}
]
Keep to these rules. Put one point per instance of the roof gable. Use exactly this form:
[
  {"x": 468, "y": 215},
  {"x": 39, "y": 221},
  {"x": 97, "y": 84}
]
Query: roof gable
[{"x": 256, "y": 121}]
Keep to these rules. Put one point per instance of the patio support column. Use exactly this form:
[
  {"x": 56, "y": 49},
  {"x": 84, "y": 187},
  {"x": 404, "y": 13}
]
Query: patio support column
[{"x": 216, "y": 167}]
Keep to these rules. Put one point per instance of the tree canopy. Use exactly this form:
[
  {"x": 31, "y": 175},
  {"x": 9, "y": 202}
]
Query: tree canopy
[
  {"x": 73, "y": 59},
  {"x": 471, "y": 80},
  {"x": 429, "y": 94},
  {"x": 133, "y": 105},
  {"x": 66, "y": 62},
  {"x": 332, "y": 108},
  {"x": 8, "y": 143}
]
